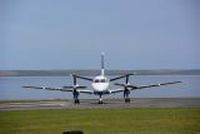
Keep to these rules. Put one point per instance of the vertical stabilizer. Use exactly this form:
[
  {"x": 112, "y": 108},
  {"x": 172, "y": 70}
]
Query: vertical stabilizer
[{"x": 102, "y": 64}]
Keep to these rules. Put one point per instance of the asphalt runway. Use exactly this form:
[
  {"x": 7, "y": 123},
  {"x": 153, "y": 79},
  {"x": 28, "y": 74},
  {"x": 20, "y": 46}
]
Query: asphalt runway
[{"x": 108, "y": 103}]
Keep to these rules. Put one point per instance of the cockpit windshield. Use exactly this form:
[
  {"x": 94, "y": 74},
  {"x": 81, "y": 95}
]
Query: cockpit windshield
[
  {"x": 100, "y": 80},
  {"x": 96, "y": 81}
]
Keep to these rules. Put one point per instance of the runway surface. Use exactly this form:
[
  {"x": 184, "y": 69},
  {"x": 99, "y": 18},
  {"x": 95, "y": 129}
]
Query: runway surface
[{"x": 108, "y": 103}]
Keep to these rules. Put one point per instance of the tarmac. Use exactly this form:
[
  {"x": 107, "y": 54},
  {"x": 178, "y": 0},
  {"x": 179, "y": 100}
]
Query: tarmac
[{"x": 108, "y": 103}]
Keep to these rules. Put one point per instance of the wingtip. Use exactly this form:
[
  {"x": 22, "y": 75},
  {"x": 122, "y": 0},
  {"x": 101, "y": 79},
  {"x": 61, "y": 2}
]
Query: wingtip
[{"x": 23, "y": 86}]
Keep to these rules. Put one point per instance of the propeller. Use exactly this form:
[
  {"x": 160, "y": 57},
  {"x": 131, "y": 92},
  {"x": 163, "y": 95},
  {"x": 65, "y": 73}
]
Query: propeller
[
  {"x": 75, "y": 87},
  {"x": 126, "y": 90},
  {"x": 126, "y": 87}
]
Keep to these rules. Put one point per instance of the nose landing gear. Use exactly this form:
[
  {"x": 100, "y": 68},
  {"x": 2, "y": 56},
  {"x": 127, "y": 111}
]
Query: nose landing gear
[{"x": 100, "y": 99}]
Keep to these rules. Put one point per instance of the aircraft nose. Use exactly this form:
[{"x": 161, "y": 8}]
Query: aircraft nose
[{"x": 100, "y": 86}]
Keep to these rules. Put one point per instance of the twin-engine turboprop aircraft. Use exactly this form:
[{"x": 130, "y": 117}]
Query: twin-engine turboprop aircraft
[{"x": 100, "y": 85}]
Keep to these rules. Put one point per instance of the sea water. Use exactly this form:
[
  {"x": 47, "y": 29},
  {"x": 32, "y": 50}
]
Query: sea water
[{"x": 11, "y": 87}]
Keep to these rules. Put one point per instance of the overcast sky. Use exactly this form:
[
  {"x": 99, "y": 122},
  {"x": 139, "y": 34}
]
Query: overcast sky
[{"x": 71, "y": 34}]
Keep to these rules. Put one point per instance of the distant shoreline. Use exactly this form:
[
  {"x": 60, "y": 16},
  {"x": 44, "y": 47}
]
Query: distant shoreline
[{"x": 92, "y": 72}]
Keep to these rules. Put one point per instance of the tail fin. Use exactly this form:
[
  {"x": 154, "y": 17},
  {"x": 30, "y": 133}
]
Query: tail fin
[{"x": 102, "y": 64}]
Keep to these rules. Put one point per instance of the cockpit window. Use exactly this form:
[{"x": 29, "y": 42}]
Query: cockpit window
[
  {"x": 100, "y": 80},
  {"x": 96, "y": 81}
]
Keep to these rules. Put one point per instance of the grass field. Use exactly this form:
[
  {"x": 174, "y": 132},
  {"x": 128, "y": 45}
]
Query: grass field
[{"x": 102, "y": 121}]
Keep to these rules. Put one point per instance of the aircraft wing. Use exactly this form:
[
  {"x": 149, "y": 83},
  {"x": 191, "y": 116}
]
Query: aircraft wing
[
  {"x": 133, "y": 87},
  {"x": 154, "y": 85},
  {"x": 120, "y": 77},
  {"x": 49, "y": 88},
  {"x": 82, "y": 77},
  {"x": 116, "y": 91},
  {"x": 64, "y": 89},
  {"x": 85, "y": 91}
]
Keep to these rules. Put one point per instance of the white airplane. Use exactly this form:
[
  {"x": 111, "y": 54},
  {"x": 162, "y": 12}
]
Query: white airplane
[{"x": 100, "y": 85}]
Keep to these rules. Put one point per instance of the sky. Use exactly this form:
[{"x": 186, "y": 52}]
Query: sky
[{"x": 69, "y": 34}]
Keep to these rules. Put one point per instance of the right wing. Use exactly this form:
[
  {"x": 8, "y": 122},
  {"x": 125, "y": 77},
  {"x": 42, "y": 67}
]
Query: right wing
[
  {"x": 49, "y": 88},
  {"x": 64, "y": 89}
]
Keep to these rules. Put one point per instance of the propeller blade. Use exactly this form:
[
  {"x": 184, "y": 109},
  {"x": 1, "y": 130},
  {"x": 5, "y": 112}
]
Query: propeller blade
[
  {"x": 132, "y": 86},
  {"x": 74, "y": 80},
  {"x": 81, "y": 87},
  {"x": 127, "y": 79},
  {"x": 119, "y": 84}
]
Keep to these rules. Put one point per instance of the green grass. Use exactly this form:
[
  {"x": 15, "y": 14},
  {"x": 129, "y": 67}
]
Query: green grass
[{"x": 102, "y": 121}]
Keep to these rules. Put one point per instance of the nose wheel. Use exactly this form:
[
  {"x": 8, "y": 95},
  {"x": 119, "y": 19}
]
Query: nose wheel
[
  {"x": 100, "y": 102},
  {"x": 100, "y": 99}
]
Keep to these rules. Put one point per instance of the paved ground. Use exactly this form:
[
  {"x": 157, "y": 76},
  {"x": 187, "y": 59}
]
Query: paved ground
[{"x": 109, "y": 103}]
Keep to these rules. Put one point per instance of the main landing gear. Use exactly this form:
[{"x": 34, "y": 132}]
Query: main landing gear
[
  {"x": 76, "y": 101},
  {"x": 127, "y": 100},
  {"x": 126, "y": 96},
  {"x": 76, "y": 94}
]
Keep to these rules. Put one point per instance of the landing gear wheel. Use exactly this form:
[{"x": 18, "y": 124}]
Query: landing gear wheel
[
  {"x": 100, "y": 102},
  {"x": 100, "y": 99},
  {"x": 127, "y": 100},
  {"x": 76, "y": 101}
]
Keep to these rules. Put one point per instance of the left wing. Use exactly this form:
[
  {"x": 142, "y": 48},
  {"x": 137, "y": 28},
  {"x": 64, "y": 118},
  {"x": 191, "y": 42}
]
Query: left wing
[
  {"x": 85, "y": 91},
  {"x": 82, "y": 77},
  {"x": 116, "y": 91},
  {"x": 133, "y": 87},
  {"x": 154, "y": 85},
  {"x": 120, "y": 77}
]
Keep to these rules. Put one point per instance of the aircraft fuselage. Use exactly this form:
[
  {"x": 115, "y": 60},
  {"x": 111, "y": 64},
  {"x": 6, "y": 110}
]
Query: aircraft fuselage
[{"x": 100, "y": 84}]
